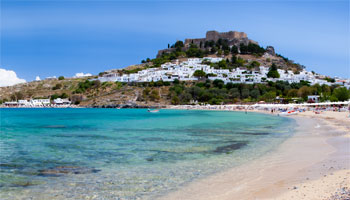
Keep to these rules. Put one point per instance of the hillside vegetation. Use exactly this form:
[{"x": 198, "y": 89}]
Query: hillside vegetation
[{"x": 95, "y": 93}]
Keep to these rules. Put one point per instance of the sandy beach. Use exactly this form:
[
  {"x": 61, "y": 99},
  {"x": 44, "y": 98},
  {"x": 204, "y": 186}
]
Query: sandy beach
[{"x": 313, "y": 164}]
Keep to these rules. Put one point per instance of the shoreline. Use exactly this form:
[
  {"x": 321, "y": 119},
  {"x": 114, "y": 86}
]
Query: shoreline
[
  {"x": 312, "y": 164},
  {"x": 315, "y": 160}
]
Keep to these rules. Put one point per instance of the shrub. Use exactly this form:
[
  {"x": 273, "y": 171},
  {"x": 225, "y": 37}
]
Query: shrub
[
  {"x": 154, "y": 96},
  {"x": 57, "y": 86}
]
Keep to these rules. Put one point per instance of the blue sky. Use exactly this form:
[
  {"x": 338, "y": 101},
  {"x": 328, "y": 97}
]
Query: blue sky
[{"x": 48, "y": 38}]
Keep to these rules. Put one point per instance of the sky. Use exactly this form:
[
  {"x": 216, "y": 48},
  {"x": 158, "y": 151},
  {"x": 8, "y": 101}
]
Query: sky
[{"x": 61, "y": 37}]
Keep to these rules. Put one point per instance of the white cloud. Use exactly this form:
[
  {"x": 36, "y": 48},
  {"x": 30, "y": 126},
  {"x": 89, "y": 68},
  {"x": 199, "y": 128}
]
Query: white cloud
[
  {"x": 81, "y": 74},
  {"x": 9, "y": 78},
  {"x": 37, "y": 78}
]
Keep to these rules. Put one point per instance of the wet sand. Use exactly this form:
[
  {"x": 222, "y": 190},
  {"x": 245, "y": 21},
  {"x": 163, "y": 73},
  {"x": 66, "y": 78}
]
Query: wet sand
[{"x": 313, "y": 164}]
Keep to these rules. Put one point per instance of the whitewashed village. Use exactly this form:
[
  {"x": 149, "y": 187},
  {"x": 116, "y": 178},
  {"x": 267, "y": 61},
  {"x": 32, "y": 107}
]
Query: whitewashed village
[{"x": 184, "y": 71}]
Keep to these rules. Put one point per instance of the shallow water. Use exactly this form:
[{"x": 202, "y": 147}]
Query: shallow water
[{"x": 126, "y": 153}]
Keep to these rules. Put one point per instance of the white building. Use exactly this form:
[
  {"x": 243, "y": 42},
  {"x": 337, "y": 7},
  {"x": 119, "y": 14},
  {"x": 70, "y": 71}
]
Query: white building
[
  {"x": 313, "y": 98},
  {"x": 51, "y": 78},
  {"x": 60, "y": 101},
  {"x": 23, "y": 103},
  {"x": 40, "y": 102},
  {"x": 82, "y": 74}
]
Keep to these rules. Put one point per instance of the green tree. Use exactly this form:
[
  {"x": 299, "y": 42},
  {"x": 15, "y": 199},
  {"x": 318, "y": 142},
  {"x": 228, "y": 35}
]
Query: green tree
[
  {"x": 234, "y": 50},
  {"x": 64, "y": 95},
  {"x": 233, "y": 59},
  {"x": 146, "y": 91},
  {"x": 176, "y": 81},
  {"x": 240, "y": 61},
  {"x": 219, "y": 52},
  {"x": 254, "y": 64},
  {"x": 222, "y": 64},
  {"x": 54, "y": 96},
  {"x": 245, "y": 93},
  {"x": 226, "y": 52},
  {"x": 175, "y": 100},
  {"x": 17, "y": 96},
  {"x": 179, "y": 44},
  {"x": 333, "y": 98},
  {"x": 234, "y": 93},
  {"x": 273, "y": 73},
  {"x": 329, "y": 79},
  {"x": 215, "y": 101},
  {"x": 304, "y": 92},
  {"x": 255, "y": 93},
  {"x": 268, "y": 96},
  {"x": 213, "y": 50},
  {"x": 199, "y": 73},
  {"x": 292, "y": 93},
  {"x": 341, "y": 93},
  {"x": 61, "y": 78},
  {"x": 218, "y": 83}
]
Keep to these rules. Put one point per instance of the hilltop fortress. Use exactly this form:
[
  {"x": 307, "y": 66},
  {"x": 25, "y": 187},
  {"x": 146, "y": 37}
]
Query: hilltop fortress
[{"x": 233, "y": 38}]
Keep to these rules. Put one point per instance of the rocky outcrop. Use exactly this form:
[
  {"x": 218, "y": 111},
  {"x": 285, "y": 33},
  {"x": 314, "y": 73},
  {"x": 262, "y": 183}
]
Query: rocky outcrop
[{"x": 270, "y": 50}]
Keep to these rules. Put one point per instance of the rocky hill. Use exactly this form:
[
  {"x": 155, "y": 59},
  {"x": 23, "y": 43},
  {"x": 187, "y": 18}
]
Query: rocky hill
[
  {"x": 235, "y": 47},
  {"x": 92, "y": 94}
]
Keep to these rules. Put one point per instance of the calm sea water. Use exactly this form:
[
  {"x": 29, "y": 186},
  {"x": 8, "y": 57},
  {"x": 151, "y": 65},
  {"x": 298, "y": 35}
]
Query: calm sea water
[{"x": 126, "y": 153}]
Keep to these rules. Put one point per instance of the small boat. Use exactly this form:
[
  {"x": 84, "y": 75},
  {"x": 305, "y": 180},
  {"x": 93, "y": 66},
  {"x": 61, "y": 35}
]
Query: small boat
[{"x": 152, "y": 111}]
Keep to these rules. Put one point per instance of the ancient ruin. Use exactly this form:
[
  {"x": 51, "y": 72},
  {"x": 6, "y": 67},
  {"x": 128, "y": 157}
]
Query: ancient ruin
[{"x": 233, "y": 38}]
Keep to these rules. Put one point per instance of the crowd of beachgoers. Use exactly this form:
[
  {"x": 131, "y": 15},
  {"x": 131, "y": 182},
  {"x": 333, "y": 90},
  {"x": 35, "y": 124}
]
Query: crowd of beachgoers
[{"x": 272, "y": 108}]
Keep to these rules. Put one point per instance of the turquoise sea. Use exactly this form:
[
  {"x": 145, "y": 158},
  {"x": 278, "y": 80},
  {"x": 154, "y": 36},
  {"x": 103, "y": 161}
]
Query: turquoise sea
[{"x": 126, "y": 153}]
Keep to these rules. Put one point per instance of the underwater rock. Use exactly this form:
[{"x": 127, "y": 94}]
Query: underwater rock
[
  {"x": 149, "y": 159},
  {"x": 254, "y": 133},
  {"x": 230, "y": 147},
  {"x": 61, "y": 170}
]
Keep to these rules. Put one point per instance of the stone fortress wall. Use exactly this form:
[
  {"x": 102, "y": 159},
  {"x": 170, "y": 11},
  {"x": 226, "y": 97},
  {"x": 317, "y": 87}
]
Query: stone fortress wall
[
  {"x": 214, "y": 35},
  {"x": 233, "y": 37}
]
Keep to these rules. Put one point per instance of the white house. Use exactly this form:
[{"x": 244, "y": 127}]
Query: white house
[
  {"x": 23, "y": 103},
  {"x": 40, "y": 102},
  {"x": 313, "y": 98},
  {"x": 60, "y": 101}
]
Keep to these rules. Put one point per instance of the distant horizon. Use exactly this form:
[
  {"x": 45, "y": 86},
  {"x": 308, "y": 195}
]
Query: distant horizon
[{"x": 64, "y": 38}]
